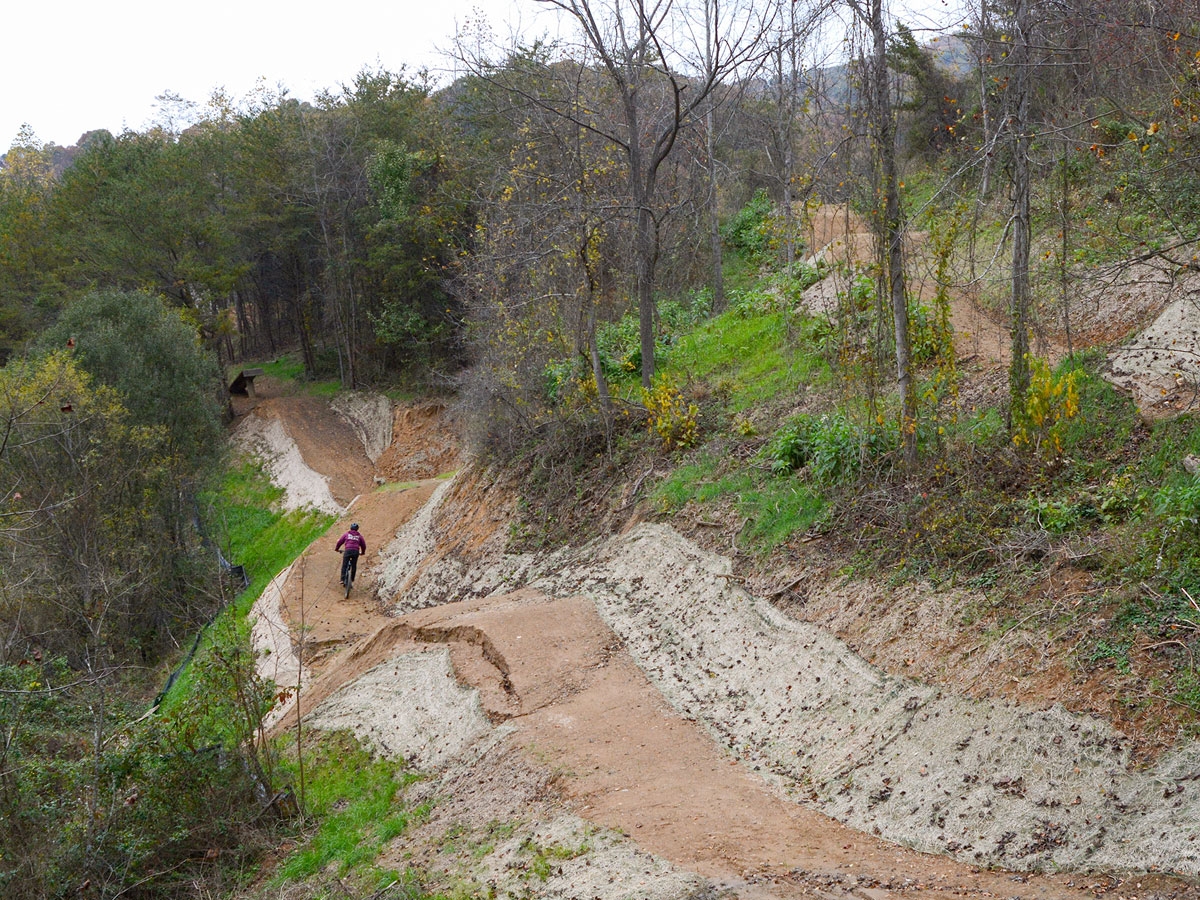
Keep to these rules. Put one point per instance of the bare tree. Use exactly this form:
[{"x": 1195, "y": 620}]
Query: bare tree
[
  {"x": 663, "y": 59},
  {"x": 1019, "y": 130},
  {"x": 791, "y": 88},
  {"x": 890, "y": 218}
]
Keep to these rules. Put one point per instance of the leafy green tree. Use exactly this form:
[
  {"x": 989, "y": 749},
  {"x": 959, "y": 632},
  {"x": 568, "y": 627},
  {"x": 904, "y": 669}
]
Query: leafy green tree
[
  {"x": 372, "y": 164},
  {"x": 151, "y": 355},
  {"x": 28, "y": 262},
  {"x": 86, "y": 555},
  {"x": 931, "y": 97},
  {"x": 141, "y": 211},
  {"x": 346, "y": 227}
]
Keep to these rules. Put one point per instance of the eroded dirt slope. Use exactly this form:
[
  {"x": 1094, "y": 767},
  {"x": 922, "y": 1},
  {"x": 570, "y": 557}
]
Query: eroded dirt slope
[
  {"x": 1144, "y": 315},
  {"x": 625, "y": 720}
]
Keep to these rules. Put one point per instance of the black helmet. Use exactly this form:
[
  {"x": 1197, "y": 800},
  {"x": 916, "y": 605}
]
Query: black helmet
[{"x": 354, "y": 527}]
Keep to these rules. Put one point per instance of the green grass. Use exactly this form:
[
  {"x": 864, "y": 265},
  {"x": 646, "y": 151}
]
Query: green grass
[
  {"x": 694, "y": 481},
  {"x": 775, "y": 508},
  {"x": 242, "y": 516},
  {"x": 357, "y": 801},
  {"x": 740, "y": 273},
  {"x": 290, "y": 368},
  {"x": 749, "y": 356}
]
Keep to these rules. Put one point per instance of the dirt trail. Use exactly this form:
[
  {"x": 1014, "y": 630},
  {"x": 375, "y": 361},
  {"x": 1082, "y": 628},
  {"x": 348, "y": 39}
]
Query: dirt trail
[
  {"x": 1145, "y": 315},
  {"x": 533, "y": 719},
  {"x": 838, "y": 235},
  {"x": 632, "y": 763},
  {"x": 313, "y": 594}
]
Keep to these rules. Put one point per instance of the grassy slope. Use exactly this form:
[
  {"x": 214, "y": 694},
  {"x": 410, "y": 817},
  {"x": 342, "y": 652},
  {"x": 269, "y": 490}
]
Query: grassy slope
[
  {"x": 793, "y": 438},
  {"x": 350, "y": 804}
]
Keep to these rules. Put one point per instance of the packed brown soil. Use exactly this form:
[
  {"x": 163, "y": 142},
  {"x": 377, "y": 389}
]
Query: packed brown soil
[{"x": 577, "y": 728}]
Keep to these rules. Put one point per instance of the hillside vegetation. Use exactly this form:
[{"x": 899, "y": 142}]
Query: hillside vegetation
[{"x": 881, "y": 318}]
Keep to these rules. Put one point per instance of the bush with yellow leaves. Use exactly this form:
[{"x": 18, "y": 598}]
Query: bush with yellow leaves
[
  {"x": 1051, "y": 400},
  {"x": 671, "y": 418}
]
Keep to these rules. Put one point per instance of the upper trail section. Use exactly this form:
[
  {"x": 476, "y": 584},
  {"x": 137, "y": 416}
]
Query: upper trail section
[
  {"x": 326, "y": 454},
  {"x": 656, "y": 730},
  {"x": 840, "y": 236},
  {"x": 1145, "y": 317}
]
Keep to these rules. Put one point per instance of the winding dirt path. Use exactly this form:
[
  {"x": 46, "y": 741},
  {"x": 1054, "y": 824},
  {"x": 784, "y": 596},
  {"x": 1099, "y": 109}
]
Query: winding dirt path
[
  {"x": 840, "y": 235},
  {"x": 576, "y": 705},
  {"x": 632, "y": 763},
  {"x": 550, "y": 669}
]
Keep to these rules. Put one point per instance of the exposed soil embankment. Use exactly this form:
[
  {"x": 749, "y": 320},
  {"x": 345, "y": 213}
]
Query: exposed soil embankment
[
  {"x": 1145, "y": 316},
  {"x": 988, "y": 782},
  {"x": 626, "y": 719}
]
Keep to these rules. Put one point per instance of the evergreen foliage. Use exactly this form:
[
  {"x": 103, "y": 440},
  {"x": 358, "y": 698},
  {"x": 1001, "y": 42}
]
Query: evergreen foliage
[{"x": 152, "y": 357}]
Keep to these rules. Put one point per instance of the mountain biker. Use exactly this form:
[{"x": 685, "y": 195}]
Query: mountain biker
[{"x": 355, "y": 544}]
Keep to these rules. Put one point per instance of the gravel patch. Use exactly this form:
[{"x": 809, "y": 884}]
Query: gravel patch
[
  {"x": 411, "y": 579},
  {"x": 572, "y": 860}
]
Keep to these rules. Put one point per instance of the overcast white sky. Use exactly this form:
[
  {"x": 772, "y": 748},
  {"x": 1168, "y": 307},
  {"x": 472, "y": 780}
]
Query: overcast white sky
[{"x": 70, "y": 66}]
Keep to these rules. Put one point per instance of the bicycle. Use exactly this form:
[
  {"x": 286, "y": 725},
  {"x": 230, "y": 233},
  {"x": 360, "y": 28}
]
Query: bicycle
[{"x": 349, "y": 569}]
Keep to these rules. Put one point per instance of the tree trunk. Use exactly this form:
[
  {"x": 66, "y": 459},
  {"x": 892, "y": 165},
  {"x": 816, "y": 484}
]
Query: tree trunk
[
  {"x": 1018, "y": 381},
  {"x": 714, "y": 212},
  {"x": 644, "y": 251},
  {"x": 892, "y": 234},
  {"x": 643, "y": 238},
  {"x": 1064, "y": 281}
]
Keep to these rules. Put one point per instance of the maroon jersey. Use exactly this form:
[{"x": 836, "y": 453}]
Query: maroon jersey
[{"x": 353, "y": 541}]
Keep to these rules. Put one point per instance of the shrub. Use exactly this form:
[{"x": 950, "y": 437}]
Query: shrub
[
  {"x": 789, "y": 446},
  {"x": 747, "y": 232},
  {"x": 620, "y": 347},
  {"x": 1178, "y": 505},
  {"x": 932, "y": 337},
  {"x": 751, "y": 304},
  {"x": 1052, "y": 399},
  {"x": 673, "y": 420},
  {"x": 831, "y": 446},
  {"x": 152, "y": 356}
]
